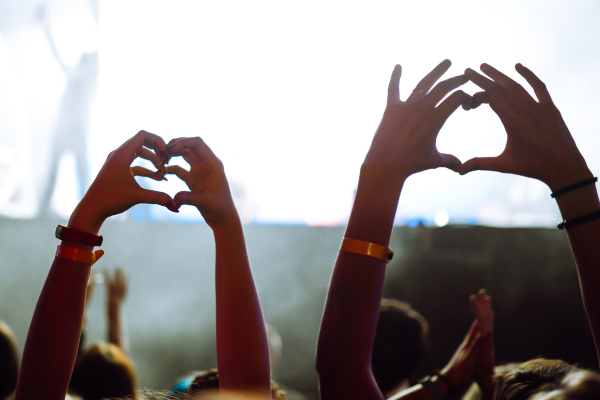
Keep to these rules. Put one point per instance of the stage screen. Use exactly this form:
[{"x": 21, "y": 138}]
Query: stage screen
[{"x": 287, "y": 94}]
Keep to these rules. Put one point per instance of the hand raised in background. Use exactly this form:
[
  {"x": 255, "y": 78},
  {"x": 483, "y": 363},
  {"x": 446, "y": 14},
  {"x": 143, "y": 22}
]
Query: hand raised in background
[
  {"x": 115, "y": 189},
  {"x": 209, "y": 189},
  {"x": 406, "y": 138},
  {"x": 116, "y": 287},
  {"x": 481, "y": 305},
  {"x": 539, "y": 144},
  {"x": 461, "y": 366}
]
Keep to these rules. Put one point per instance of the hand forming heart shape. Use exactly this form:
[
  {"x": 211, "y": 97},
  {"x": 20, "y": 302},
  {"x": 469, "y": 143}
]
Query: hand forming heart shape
[{"x": 539, "y": 143}]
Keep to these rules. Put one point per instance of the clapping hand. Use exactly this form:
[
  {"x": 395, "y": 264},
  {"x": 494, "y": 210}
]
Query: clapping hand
[{"x": 481, "y": 305}]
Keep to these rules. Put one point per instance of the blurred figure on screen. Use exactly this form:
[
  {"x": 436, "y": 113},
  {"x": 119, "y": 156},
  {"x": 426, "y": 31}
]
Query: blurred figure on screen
[{"x": 73, "y": 120}]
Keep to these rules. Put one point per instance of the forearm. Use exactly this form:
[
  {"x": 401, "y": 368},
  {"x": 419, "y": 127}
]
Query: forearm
[
  {"x": 242, "y": 347},
  {"x": 115, "y": 326},
  {"x": 53, "y": 339},
  {"x": 352, "y": 308},
  {"x": 584, "y": 240}
]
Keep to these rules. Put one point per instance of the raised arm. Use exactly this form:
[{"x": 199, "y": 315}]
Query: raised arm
[
  {"x": 242, "y": 347},
  {"x": 53, "y": 338},
  {"x": 540, "y": 146},
  {"x": 116, "y": 290},
  {"x": 404, "y": 144}
]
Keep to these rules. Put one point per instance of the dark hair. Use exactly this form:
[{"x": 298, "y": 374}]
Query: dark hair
[
  {"x": 208, "y": 381},
  {"x": 400, "y": 343},
  {"x": 9, "y": 361},
  {"x": 523, "y": 381},
  {"x": 103, "y": 371}
]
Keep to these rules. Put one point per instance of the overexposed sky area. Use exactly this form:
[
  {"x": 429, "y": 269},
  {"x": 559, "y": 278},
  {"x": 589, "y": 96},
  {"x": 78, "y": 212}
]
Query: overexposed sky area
[{"x": 289, "y": 94}]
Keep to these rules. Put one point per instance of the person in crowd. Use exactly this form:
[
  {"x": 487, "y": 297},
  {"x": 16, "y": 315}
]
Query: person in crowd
[
  {"x": 539, "y": 146},
  {"x": 9, "y": 361},
  {"x": 242, "y": 350},
  {"x": 105, "y": 370},
  {"x": 399, "y": 347}
]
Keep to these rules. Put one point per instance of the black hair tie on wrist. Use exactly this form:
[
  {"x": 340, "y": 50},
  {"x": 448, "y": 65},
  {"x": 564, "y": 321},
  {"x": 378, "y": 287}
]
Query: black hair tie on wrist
[
  {"x": 444, "y": 378},
  {"x": 574, "y": 186},
  {"x": 567, "y": 223}
]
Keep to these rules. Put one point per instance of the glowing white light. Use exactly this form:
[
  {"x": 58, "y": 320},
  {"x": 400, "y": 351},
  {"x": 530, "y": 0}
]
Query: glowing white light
[{"x": 441, "y": 218}]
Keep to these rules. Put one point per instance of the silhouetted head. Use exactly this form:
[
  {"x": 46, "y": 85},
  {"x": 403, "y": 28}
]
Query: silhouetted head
[
  {"x": 548, "y": 380},
  {"x": 207, "y": 382},
  {"x": 9, "y": 361},
  {"x": 400, "y": 344},
  {"x": 103, "y": 371}
]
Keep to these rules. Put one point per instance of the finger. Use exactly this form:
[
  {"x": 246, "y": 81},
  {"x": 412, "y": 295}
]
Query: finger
[
  {"x": 472, "y": 334},
  {"x": 160, "y": 198},
  {"x": 196, "y": 145},
  {"x": 487, "y": 318},
  {"x": 477, "y": 311},
  {"x": 394, "y": 86},
  {"x": 430, "y": 79},
  {"x": 443, "y": 88},
  {"x": 151, "y": 156},
  {"x": 480, "y": 98},
  {"x": 483, "y": 164},
  {"x": 449, "y": 161},
  {"x": 156, "y": 175},
  {"x": 536, "y": 83},
  {"x": 182, "y": 198},
  {"x": 480, "y": 80},
  {"x": 143, "y": 138},
  {"x": 181, "y": 173},
  {"x": 507, "y": 82},
  {"x": 450, "y": 104}
]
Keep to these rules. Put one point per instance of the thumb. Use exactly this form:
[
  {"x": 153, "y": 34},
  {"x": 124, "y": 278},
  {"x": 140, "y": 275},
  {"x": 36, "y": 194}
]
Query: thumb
[
  {"x": 449, "y": 161},
  {"x": 160, "y": 198},
  {"x": 184, "y": 197},
  {"x": 482, "y": 163}
]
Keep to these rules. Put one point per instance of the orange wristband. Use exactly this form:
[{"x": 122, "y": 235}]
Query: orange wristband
[
  {"x": 75, "y": 254},
  {"x": 367, "y": 248}
]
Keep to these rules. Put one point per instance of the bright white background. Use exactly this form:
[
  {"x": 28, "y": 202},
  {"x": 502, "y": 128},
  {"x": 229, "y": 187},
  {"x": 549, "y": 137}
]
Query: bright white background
[{"x": 289, "y": 94}]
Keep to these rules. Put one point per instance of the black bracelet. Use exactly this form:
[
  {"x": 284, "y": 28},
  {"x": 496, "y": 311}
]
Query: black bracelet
[
  {"x": 445, "y": 379},
  {"x": 428, "y": 384},
  {"x": 574, "y": 186},
  {"x": 567, "y": 223}
]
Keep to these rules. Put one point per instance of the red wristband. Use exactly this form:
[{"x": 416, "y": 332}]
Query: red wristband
[{"x": 75, "y": 236}]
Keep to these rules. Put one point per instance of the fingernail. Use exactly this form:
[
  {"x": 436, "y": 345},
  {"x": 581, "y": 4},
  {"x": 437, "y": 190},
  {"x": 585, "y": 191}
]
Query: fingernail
[{"x": 165, "y": 179}]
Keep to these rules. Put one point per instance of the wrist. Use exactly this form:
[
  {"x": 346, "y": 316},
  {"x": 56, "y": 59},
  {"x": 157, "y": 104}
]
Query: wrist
[{"x": 83, "y": 219}]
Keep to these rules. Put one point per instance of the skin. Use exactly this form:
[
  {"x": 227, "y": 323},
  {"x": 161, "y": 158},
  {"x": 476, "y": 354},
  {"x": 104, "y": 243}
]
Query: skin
[
  {"x": 116, "y": 290},
  {"x": 404, "y": 144},
  {"x": 540, "y": 146},
  {"x": 242, "y": 346},
  {"x": 51, "y": 346}
]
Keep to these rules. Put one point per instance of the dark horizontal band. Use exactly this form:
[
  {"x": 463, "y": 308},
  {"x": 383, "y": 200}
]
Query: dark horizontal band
[
  {"x": 574, "y": 186},
  {"x": 567, "y": 223}
]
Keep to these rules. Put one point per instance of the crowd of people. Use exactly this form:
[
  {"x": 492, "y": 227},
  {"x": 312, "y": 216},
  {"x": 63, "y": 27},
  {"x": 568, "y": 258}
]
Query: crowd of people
[{"x": 367, "y": 346}]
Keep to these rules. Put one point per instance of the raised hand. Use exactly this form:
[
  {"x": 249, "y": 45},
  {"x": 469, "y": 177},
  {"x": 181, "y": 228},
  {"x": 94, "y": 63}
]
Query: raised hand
[
  {"x": 209, "y": 189},
  {"x": 406, "y": 137},
  {"x": 481, "y": 305},
  {"x": 115, "y": 189},
  {"x": 116, "y": 287},
  {"x": 539, "y": 144}
]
